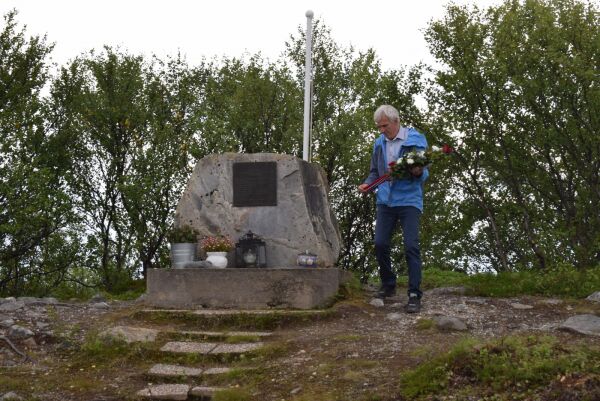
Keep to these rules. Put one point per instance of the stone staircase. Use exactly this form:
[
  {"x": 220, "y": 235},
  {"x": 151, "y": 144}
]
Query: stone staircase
[{"x": 224, "y": 342}]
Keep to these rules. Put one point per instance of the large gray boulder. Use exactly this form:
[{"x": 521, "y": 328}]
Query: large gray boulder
[{"x": 302, "y": 219}]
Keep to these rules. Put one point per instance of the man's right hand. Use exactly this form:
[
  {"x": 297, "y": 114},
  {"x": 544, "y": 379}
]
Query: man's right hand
[{"x": 362, "y": 188}]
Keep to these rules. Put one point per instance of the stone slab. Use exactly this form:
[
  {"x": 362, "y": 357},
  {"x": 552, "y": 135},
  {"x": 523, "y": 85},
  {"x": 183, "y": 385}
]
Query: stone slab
[
  {"x": 162, "y": 370},
  {"x": 236, "y": 348},
  {"x": 165, "y": 392},
  {"x": 188, "y": 347},
  {"x": 297, "y": 288},
  {"x": 217, "y": 371},
  {"x": 202, "y": 391}
]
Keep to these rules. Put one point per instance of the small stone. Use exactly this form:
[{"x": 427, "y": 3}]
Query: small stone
[
  {"x": 377, "y": 302},
  {"x": 449, "y": 323},
  {"x": 97, "y": 298},
  {"x": 19, "y": 332},
  {"x": 100, "y": 305},
  {"x": 296, "y": 390},
  {"x": 11, "y": 396},
  {"x": 30, "y": 342},
  {"x": 595, "y": 297},
  {"x": 7, "y": 323},
  {"x": 42, "y": 325},
  {"x": 394, "y": 316},
  {"x": 520, "y": 306}
]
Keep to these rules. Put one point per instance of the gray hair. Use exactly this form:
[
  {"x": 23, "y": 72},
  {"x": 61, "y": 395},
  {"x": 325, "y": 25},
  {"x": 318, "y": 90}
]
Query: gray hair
[{"x": 386, "y": 110}]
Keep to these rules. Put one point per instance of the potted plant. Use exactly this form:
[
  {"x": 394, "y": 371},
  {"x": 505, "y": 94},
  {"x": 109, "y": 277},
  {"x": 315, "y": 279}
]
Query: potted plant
[
  {"x": 184, "y": 240},
  {"x": 216, "y": 249}
]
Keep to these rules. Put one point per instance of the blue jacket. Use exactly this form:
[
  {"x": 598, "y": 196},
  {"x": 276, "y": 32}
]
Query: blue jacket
[{"x": 398, "y": 192}]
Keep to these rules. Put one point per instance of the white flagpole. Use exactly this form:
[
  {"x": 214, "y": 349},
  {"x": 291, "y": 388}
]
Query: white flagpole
[{"x": 307, "y": 91}]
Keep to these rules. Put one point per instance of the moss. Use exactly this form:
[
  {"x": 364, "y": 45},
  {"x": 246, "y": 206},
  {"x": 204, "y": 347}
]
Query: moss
[
  {"x": 502, "y": 365},
  {"x": 232, "y": 394}
]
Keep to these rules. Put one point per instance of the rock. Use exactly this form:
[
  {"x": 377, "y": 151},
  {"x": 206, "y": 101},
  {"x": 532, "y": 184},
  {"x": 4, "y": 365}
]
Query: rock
[
  {"x": 477, "y": 300},
  {"x": 595, "y": 297},
  {"x": 584, "y": 324},
  {"x": 49, "y": 301},
  {"x": 520, "y": 306},
  {"x": 6, "y": 323},
  {"x": 30, "y": 342},
  {"x": 552, "y": 301},
  {"x": 97, "y": 298},
  {"x": 130, "y": 334},
  {"x": 296, "y": 390},
  {"x": 377, "y": 302},
  {"x": 394, "y": 316},
  {"x": 304, "y": 219},
  {"x": 449, "y": 323},
  {"x": 28, "y": 300},
  {"x": 12, "y": 306},
  {"x": 11, "y": 396},
  {"x": 447, "y": 291},
  {"x": 100, "y": 305},
  {"x": 19, "y": 332},
  {"x": 42, "y": 325}
]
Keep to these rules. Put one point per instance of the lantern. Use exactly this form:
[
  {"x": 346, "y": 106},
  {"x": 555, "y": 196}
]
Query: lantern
[
  {"x": 307, "y": 259},
  {"x": 250, "y": 251}
]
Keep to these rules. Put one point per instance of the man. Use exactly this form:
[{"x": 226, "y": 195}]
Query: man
[{"x": 397, "y": 200}]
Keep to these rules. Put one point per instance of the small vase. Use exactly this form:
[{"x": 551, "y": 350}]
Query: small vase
[{"x": 218, "y": 259}]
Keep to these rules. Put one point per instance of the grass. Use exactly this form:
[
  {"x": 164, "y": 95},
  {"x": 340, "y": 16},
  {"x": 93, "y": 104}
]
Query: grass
[
  {"x": 499, "y": 366},
  {"x": 561, "y": 281}
]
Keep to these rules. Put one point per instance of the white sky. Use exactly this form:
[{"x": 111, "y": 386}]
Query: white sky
[{"x": 208, "y": 28}]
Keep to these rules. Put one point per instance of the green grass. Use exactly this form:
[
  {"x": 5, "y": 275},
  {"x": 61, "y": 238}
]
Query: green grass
[
  {"x": 561, "y": 281},
  {"x": 500, "y": 366}
]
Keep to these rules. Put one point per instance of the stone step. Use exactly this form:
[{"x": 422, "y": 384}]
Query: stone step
[
  {"x": 218, "y": 334},
  {"x": 190, "y": 347},
  {"x": 165, "y": 392},
  {"x": 232, "y": 319},
  {"x": 177, "y": 392},
  {"x": 163, "y": 370}
]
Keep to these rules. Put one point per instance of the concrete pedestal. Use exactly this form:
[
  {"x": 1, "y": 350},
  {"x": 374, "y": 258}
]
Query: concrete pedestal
[{"x": 297, "y": 288}]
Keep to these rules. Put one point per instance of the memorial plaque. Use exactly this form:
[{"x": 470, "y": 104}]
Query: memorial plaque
[{"x": 255, "y": 184}]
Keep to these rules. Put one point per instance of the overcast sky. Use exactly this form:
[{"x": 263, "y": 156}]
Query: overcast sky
[{"x": 199, "y": 28}]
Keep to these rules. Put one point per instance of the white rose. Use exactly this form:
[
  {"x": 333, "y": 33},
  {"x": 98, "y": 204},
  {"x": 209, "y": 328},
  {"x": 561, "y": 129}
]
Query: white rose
[
  {"x": 409, "y": 161},
  {"x": 436, "y": 148},
  {"x": 399, "y": 161}
]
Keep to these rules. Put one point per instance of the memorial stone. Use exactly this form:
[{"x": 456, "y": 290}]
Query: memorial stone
[{"x": 281, "y": 198}]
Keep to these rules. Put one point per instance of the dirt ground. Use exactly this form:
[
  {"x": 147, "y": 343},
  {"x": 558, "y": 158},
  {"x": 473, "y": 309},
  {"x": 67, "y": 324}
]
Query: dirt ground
[{"x": 356, "y": 353}]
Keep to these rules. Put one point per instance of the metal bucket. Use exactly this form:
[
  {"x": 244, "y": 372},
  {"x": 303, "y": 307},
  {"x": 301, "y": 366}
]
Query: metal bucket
[{"x": 181, "y": 254}]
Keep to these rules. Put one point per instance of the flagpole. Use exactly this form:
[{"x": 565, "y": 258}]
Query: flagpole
[{"x": 307, "y": 90}]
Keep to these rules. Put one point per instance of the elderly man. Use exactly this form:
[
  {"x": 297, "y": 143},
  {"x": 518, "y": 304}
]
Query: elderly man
[{"x": 397, "y": 200}]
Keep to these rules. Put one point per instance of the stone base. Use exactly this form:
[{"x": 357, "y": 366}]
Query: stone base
[{"x": 296, "y": 288}]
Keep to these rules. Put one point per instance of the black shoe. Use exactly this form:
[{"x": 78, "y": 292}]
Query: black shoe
[
  {"x": 414, "y": 304},
  {"x": 385, "y": 291}
]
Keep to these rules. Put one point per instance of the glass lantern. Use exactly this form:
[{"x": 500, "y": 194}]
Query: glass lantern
[
  {"x": 307, "y": 259},
  {"x": 250, "y": 251}
]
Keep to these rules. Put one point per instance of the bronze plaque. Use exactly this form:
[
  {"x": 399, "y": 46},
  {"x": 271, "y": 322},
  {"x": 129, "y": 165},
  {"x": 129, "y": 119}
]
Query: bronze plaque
[{"x": 255, "y": 184}]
